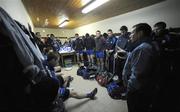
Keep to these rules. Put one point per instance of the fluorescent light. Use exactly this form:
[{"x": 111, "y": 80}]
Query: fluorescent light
[
  {"x": 46, "y": 22},
  {"x": 37, "y": 19},
  {"x": 93, "y": 5},
  {"x": 84, "y": 2},
  {"x": 64, "y": 23}
]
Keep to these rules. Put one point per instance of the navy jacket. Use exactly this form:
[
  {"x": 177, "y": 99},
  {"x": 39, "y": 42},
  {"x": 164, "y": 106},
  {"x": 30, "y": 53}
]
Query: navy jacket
[
  {"x": 139, "y": 67},
  {"x": 111, "y": 43},
  {"x": 78, "y": 44},
  {"x": 89, "y": 43},
  {"x": 122, "y": 41}
]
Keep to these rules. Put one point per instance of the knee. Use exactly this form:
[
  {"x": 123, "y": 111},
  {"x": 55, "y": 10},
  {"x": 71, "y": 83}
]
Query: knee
[{"x": 73, "y": 94}]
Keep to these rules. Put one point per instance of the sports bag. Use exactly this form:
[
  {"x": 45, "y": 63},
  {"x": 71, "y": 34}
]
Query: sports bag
[
  {"x": 115, "y": 90},
  {"x": 104, "y": 78}
]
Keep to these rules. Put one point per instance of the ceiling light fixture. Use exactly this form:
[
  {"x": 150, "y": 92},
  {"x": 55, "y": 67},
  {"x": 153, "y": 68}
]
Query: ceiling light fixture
[
  {"x": 46, "y": 22},
  {"x": 93, "y": 5},
  {"x": 64, "y": 23},
  {"x": 37, "y": 19}
]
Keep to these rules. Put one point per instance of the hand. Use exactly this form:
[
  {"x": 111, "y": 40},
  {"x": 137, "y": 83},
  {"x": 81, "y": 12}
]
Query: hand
[
  {"x": 115, "y": 55},
  {"x": 110, "y": 51}
]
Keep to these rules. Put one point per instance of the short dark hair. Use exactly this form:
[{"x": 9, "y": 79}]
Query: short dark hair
[
  {"x": 77, "y": 34},
  {"x": 124, "y": 28},
  {"x": 87, "y": 35},
  {"x": 52, "y": 55},
  {"x": 109, "y": 30},
  {"x": 105, "y": 34},
  {"x": 98, "y": 31},
  {"x": 52, "y": 35},
  {"x": 37, "y": 33},
  {"x": 146, "y": 28},
  {"x": 160, "y": 24}
]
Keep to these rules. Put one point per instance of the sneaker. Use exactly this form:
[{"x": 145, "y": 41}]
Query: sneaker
[{"x": 92, "y": 94}]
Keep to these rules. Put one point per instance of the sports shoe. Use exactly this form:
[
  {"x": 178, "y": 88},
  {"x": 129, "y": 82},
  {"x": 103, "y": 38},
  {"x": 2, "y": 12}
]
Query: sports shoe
[{"x": 92, "y": 94}]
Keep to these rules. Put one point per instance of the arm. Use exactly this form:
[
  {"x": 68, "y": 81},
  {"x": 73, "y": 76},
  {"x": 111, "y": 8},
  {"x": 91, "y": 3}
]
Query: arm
[
  {"x": 126, "y": 70},
  {"x": 57, "y": 68},
  {"x": 94, "y": 43},
  {"x": 141, "y": 65},
  {"x": 59, "y": 73}
]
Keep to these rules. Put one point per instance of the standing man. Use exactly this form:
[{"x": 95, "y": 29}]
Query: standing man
[
  {"x": 78, "y": 47},
  {"x": 123, "y": 39},
  {"x": 139, "y": 70},
  {"x": 110, "y": 48},
  {"x": 89, "y": 44},
  {"x": 100, "y": 47},
  {"x": 121, "y": 47}
]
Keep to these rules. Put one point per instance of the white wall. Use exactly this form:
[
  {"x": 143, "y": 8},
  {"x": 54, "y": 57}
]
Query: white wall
[
  {"x": 56, "y": 32},
  {"x": 168, "y": 11},
  {"x": 17, "y": 11}
]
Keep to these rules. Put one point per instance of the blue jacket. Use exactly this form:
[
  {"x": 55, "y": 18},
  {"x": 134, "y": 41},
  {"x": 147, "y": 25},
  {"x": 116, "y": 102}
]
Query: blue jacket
[
  {"x": 138, "y": 69},
  {"x": 111, "y": 43},
  {"x": 78, "y": 44},
  {"x": 89, "y": 43},
  {"x": 122, "y": 41}
]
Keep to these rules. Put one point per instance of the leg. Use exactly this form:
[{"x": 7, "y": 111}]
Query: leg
[
  {"x": 90, "y": 95},
  {"x": 67, "y": 81},
  {"x": 98, "y": 63},
  {"x": 92, "y": 59},
  {"x": 81, "y": 56},
  {"x": 77, "y": 54},
  {"x": 101, "y": 64},
  {"x": 89, "y": 60}
]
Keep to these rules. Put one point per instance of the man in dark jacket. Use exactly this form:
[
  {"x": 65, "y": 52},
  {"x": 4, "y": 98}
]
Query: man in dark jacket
[
  {"x": 121, "y": 48},
  {"x": 110, "y": 48},
  {"x": 100, "y": 47},
  {"x": 139, "y": 70},
  {"x": 79, "y": 47},
  {"x": 169, "y": 68},
  {"x": 89, "y": 44}
]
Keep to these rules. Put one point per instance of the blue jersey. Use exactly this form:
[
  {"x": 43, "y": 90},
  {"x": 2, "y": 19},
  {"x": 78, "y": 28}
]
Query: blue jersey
[{"x": 111, "y": 43}]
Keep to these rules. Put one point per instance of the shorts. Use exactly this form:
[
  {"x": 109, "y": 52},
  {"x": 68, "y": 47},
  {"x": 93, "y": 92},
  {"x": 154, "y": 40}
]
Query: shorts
[
  {"x": 99, "y": 54},
  {"x": 79, "y": 51},
  {"x": 89, "y": 52},
  {"x": 64, "y": 93}
]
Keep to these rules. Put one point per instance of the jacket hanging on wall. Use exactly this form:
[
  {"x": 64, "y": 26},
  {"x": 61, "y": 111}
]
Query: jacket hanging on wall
[
  {"x": 22, "y": 65},
  {"x": 24, "y": 48}
]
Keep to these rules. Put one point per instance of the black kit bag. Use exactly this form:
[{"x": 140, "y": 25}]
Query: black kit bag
[
  {"x": 87, "y": 72},
  {"x": 115, "y": 90}
]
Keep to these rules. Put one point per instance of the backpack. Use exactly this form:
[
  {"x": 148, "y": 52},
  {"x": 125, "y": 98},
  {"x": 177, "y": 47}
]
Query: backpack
[
  {"x": 87, "y": 72},
  {"x": 104, "y": 78},
  {"x": 115, "y": 90}
]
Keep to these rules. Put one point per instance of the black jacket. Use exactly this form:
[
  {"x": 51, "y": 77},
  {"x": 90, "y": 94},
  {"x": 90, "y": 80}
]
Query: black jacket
[
  {"x": 78, "y": 44},
  {"x": 89, "y": 43}
]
